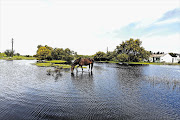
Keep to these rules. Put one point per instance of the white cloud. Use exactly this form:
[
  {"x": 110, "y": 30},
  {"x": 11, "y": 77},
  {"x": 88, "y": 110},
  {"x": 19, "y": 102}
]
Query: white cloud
[{"x": 167, "y": 21}]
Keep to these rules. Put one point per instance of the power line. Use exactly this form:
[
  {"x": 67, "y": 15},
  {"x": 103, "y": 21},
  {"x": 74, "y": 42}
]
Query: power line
[{"x": 12, "y": 46}]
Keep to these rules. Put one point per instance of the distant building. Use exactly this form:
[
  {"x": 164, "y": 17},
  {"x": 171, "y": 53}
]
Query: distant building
[{"x": 167, "y": 58}]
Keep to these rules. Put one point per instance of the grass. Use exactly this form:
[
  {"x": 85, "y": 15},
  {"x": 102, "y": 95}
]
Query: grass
[
  {"x": 53, "y": 65},
  {"x": 18, "y": 58},
  {"x": 140, "y": 63},
  {"x": 107, "y": 62},
  {"x": 146, "y": 63},
  {"x": 56, "y": 61},
  {"x": 43, "y": 64}
]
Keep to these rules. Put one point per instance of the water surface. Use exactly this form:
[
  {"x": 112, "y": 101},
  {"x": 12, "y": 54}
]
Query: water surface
[{"x": 111, "y": 91}]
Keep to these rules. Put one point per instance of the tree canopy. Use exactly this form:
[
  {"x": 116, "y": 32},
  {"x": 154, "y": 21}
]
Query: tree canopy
[
  {"x": 99, "y": 56},
  {"x": 49, "y": 53},
  {"x": 131, "y": 50}
]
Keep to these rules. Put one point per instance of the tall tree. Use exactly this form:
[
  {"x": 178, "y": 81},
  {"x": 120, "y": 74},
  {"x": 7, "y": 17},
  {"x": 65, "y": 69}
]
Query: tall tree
[{"x": 131, "y": 50}]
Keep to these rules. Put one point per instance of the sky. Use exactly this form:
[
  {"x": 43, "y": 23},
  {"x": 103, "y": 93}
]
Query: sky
[{"x": 89, "y": 26}]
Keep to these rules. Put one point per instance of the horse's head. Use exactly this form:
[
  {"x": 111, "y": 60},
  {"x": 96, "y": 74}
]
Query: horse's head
[
  {"x": 72, "y": 68},
  {"x": 74, "y": 64}
]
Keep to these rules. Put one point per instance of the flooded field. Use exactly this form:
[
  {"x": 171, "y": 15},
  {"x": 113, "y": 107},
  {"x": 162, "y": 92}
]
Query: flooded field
[{"x": 111, "y": 91}]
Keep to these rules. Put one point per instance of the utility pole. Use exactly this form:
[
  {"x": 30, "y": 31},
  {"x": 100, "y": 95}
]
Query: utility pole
[
  {"x": 12, "y": 46},
  {"x": 107, "y": 49}
]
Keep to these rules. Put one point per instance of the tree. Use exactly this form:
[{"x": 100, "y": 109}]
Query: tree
[
  {"x": 99, "y": 56},
  {"x": 68, "y": 55},
  {"x": 17, "y": 54},
  {"x": 132, "y": 50},
  {"x": 122, "y": 57},
  {"x": 9, "y": 53},
  {"x": 39, "y": 46},
  {"x": 43, "y": 53},
  {"x": 58, "y": 54},
  {"x": 110, "y": 56}
]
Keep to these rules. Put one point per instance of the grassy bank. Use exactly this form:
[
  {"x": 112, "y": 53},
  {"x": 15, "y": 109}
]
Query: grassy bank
[
  {"x": 147, "y": 63},
  {"x": 56, "y": 61},
  {"x": 138, "y": 63},
  {"x": 18, "y": 58},
  {"x": 106, "y": 62}
]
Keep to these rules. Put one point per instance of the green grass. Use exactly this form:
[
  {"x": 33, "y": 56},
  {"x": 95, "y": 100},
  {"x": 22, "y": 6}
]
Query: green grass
[
  {"x": 139, "y": 63},
  {"x": 56, "y": 61},
  {"x": 107, "y": 62},
  {"x": 18, "y": 58},
  {"x": 43, "y": 64},
  {"x": 146, "y": 63},
  {"x": 53, "y": 65},
  {"x": 62, "y": 65}
]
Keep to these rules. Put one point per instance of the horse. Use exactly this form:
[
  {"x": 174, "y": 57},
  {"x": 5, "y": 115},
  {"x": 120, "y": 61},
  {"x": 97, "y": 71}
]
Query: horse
[{"x": 82, "y": 61}]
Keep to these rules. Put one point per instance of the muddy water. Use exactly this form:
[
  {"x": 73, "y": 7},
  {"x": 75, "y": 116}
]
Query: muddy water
[{"x": 111, "y": 91}]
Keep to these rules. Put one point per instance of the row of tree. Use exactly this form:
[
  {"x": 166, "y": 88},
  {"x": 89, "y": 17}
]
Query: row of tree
[
  {"x": 9, "y": 53},
  {"x": 128, "y": 51},
  {"x": 49, "y": 53}
]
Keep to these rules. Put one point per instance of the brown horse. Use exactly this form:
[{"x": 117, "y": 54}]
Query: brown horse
[{"x": 81, "y": 62}]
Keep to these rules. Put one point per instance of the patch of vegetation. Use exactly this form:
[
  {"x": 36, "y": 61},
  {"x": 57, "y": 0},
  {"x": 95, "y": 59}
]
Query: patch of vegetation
[
  {"x": 23, "y": 58},
  {"x": 53, "y": 65},
  {"x": 18, "y": 58},
  {"x": 43, "y": 64},
  {"x": 107, "y": 62},
  {"x": 128, "y": 51},
  {"x": 150, "y": 63},
  {"x": 56, "y": 61},
  {"x": 49, "y": 53}
]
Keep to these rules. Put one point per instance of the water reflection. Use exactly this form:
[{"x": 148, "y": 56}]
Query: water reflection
[
  {"x": 81, "y": 75},
  {"x": 110, "y": 91},
  {"x": 83, "y": 81}
]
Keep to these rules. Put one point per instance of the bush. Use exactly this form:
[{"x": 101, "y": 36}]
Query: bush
[{"x": 122, "y": 57}]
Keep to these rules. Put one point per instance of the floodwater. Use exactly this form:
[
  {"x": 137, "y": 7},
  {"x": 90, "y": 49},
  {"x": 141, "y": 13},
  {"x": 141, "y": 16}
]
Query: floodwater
[{"x": 110, "y": 92}]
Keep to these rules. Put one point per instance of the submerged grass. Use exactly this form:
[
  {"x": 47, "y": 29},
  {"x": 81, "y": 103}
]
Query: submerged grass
[{"x": 53, "y": 65}]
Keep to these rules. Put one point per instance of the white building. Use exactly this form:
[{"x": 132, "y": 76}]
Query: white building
[{"x": 165, "y": 58}]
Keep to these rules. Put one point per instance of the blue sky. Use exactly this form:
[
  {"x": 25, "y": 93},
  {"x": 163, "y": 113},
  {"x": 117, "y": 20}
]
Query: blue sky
[
  {"x": 88, "y": 26},
  {"x": 168, "y": 24}
]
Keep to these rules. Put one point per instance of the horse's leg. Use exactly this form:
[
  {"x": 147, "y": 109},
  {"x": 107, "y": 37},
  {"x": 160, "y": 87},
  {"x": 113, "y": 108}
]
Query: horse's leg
[
  {"x": 77, "y": 68},
  {"x": 82, "y": 68},
  {"x": 91, "y": 66}
]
